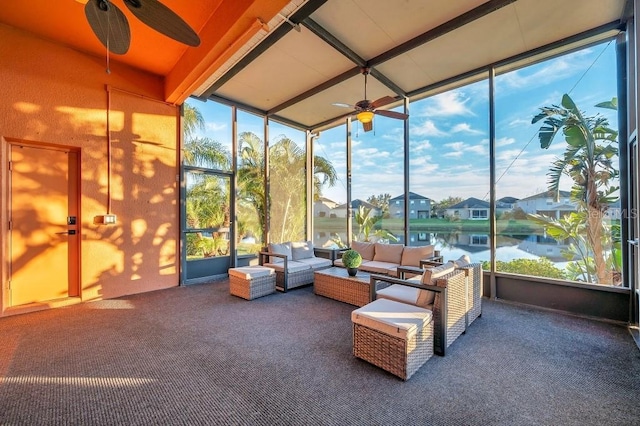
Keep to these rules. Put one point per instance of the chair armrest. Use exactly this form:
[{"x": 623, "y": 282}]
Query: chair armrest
[
  {"x": 431, "y": 261},
  {"x": 402, "y": 270},
  {"x": 263, "y": 254}
]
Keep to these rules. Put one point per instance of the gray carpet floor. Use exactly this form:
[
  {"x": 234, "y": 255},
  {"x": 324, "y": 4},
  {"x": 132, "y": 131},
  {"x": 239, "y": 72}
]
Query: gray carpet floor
[{"x": 197, "y": 356}]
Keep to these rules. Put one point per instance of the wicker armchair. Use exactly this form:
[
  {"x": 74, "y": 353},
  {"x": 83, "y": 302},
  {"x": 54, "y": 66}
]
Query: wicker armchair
[
  {"x": 473, "y": 283},
  {"x": 449, "y": 305}
]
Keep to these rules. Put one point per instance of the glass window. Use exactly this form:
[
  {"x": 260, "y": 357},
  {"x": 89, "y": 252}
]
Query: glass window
[
  {"x": 546, "y": 174},
  {"x": 330, "y": 188},
  {"x": 377, "y": 177},
  {"x": 207, "y": 135},
  {"x": 287, "y": 184},
  {"x": 449, "y": 163},
  {"x": 250, "y": 201}
]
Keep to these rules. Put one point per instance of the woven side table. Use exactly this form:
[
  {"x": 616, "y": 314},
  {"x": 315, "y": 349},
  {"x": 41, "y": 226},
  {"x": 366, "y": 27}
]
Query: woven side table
[
  {"x": 252, "y": 281},
  {"x": 393, "y": 336}
]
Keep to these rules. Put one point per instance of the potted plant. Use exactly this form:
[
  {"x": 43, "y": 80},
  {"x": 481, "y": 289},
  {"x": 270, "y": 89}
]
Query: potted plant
[{"x": 351, "y": 259}]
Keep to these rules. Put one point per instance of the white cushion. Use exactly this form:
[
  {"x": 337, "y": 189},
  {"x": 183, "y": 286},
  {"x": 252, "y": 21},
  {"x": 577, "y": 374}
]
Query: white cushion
[
  {"x": 302, "y": 250},
  {"x": 399, "y": 293},
  {"x": 316, "y": 262},
  {"x": 292, "y": 266},
  {"x": 250, "y": 272},
  {"x": 366, "y": 250},
  {"x": 411, "y": 256},
  {"x": 282, "y": 248},
  {"x": 391, "y": 253},
  {"x": 392, "y": 318}
]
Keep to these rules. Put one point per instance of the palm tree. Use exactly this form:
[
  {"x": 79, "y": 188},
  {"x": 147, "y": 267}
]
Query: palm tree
[
  {"x": 287, "y": 182},
  {"x": 192, "y": 121},
  {"x": 587, "y": 160}
]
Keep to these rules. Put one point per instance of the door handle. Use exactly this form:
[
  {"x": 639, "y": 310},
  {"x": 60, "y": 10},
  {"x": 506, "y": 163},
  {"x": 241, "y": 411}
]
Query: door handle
[
  {"x": 635, "y": 242},
  {"x": 69, "y": 232}
]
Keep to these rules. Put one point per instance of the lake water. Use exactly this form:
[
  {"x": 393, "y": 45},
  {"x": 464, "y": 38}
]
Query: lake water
[{"x": 476, "y": 246}]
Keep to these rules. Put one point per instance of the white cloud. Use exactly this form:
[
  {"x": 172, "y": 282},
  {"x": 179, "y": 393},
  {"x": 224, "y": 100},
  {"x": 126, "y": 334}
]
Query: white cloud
[
  {"x": 427, "y": 128},
  {"x": 447, "y": 104},
  {"x": 505, "y": 141},
  {"x": 465, "y": 128},
  {"x": 453, "y": 154},
  {"x": 215, "y": 127},
  {"x": 455, "y": 145},
  {"x": 421, "y": 145}
]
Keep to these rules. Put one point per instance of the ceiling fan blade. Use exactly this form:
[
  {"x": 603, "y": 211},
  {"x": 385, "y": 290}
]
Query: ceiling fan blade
[
  {"x": 391, "y": 114},
  {"x": 109, "y": 24},
  {"x": 368, "y": 126},
  {"x": 164, "y": 20},
  {"x": 382, "y": 101}
]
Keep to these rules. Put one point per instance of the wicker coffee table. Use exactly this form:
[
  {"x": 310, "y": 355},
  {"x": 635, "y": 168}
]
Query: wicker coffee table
[{"x": 335, "y": 283}]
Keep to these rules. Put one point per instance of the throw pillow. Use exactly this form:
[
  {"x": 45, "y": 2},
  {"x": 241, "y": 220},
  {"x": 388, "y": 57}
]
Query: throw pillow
[
  {"x": 391, "y": 253},
  {"x": 411, "y": 256},
  {"x": 301, "y": 250},
  {"x": 366, "y": 250},
  {"x": 462, "y": 261},
  {"x": 430, "y": 274}
]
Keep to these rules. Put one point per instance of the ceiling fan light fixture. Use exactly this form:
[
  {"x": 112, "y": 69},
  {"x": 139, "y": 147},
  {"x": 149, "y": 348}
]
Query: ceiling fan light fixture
[{"x": 365, "y": 116}]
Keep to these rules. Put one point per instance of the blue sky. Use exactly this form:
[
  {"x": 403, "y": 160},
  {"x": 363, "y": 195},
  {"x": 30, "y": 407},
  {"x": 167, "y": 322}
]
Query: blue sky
[{"x": 449, "y": 133}]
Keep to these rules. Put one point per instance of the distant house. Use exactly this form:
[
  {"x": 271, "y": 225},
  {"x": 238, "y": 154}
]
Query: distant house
[
  {"x": 471, "y": 208},
  {"x": 323, "y": 207},
  {"x": 341, "y": 210},
  {"x": 419, "y": 206},
  {"x": 506, "y": 203},
  {"x": 546, "y": 204}
]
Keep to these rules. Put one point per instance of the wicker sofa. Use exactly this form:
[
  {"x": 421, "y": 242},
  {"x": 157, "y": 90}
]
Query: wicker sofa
[
  {"x": 440, "y": 290},
  {"x": 385, "y": 259},
  {"x": 294, "y": 263}
]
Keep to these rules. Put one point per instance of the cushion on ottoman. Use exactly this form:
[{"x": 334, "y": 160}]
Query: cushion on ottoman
[
  {"x": 250, "y": 272},
  {"x": 392, "y": 318}
]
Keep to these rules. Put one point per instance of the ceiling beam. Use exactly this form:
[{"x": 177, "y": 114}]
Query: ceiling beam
[
  {"x": 451, "y": 25},
  {"x": 345, "y": 50},
  {"x": 459, "y": 21},
  {"x": 324, "y": 86},
  {"x": 307, "y": 9}
]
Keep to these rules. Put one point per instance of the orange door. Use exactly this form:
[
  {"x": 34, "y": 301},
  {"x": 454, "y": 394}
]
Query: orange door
[{"x": 43, "y": 224}]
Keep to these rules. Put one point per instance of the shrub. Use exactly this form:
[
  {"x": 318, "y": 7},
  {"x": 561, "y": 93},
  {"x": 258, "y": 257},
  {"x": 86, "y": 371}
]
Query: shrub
[
  {"x": 351, "y": 259},
  {"x": 541, "y": 267}
]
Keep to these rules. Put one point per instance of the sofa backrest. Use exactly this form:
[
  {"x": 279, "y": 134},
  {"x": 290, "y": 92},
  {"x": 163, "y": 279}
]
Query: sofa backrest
[
  {"x": 411, "y": 256},
  {"x": 366, "y": 250},
  {"x": 390, "y": 253}
]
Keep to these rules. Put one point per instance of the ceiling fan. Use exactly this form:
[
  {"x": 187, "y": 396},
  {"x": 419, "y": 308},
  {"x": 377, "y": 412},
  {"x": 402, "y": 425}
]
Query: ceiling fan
[
  {"x": 111, "y": 27},
  {"x": 365, "y": 109}
]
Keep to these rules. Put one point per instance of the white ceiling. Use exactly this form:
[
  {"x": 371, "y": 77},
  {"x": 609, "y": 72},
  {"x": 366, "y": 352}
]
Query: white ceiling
[{"x": 299, "y": 62}]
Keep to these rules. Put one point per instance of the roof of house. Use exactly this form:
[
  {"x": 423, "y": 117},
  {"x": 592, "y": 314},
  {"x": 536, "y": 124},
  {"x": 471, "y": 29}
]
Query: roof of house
[
  {"x": 507, "y": 200},
  {"x": 326, "y": 200},
  {"x": 470, "y": 203},
  {"x": 412, "y": 196},
  {"x": 547, "y": 194},
  {"x": 356, "y": 204}
]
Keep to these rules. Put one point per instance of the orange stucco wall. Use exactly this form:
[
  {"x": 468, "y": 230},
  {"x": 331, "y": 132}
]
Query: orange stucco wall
[{"x": 55, "y": 95}]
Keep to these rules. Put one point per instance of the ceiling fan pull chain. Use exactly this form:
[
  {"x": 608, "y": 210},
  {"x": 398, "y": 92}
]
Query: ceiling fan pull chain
[{"x": 108, "y": 37}]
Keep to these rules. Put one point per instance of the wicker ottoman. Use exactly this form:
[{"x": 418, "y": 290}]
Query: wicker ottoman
[
  {"x": 393, "y": 336},
  {"x": 252, "y": 281}
]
